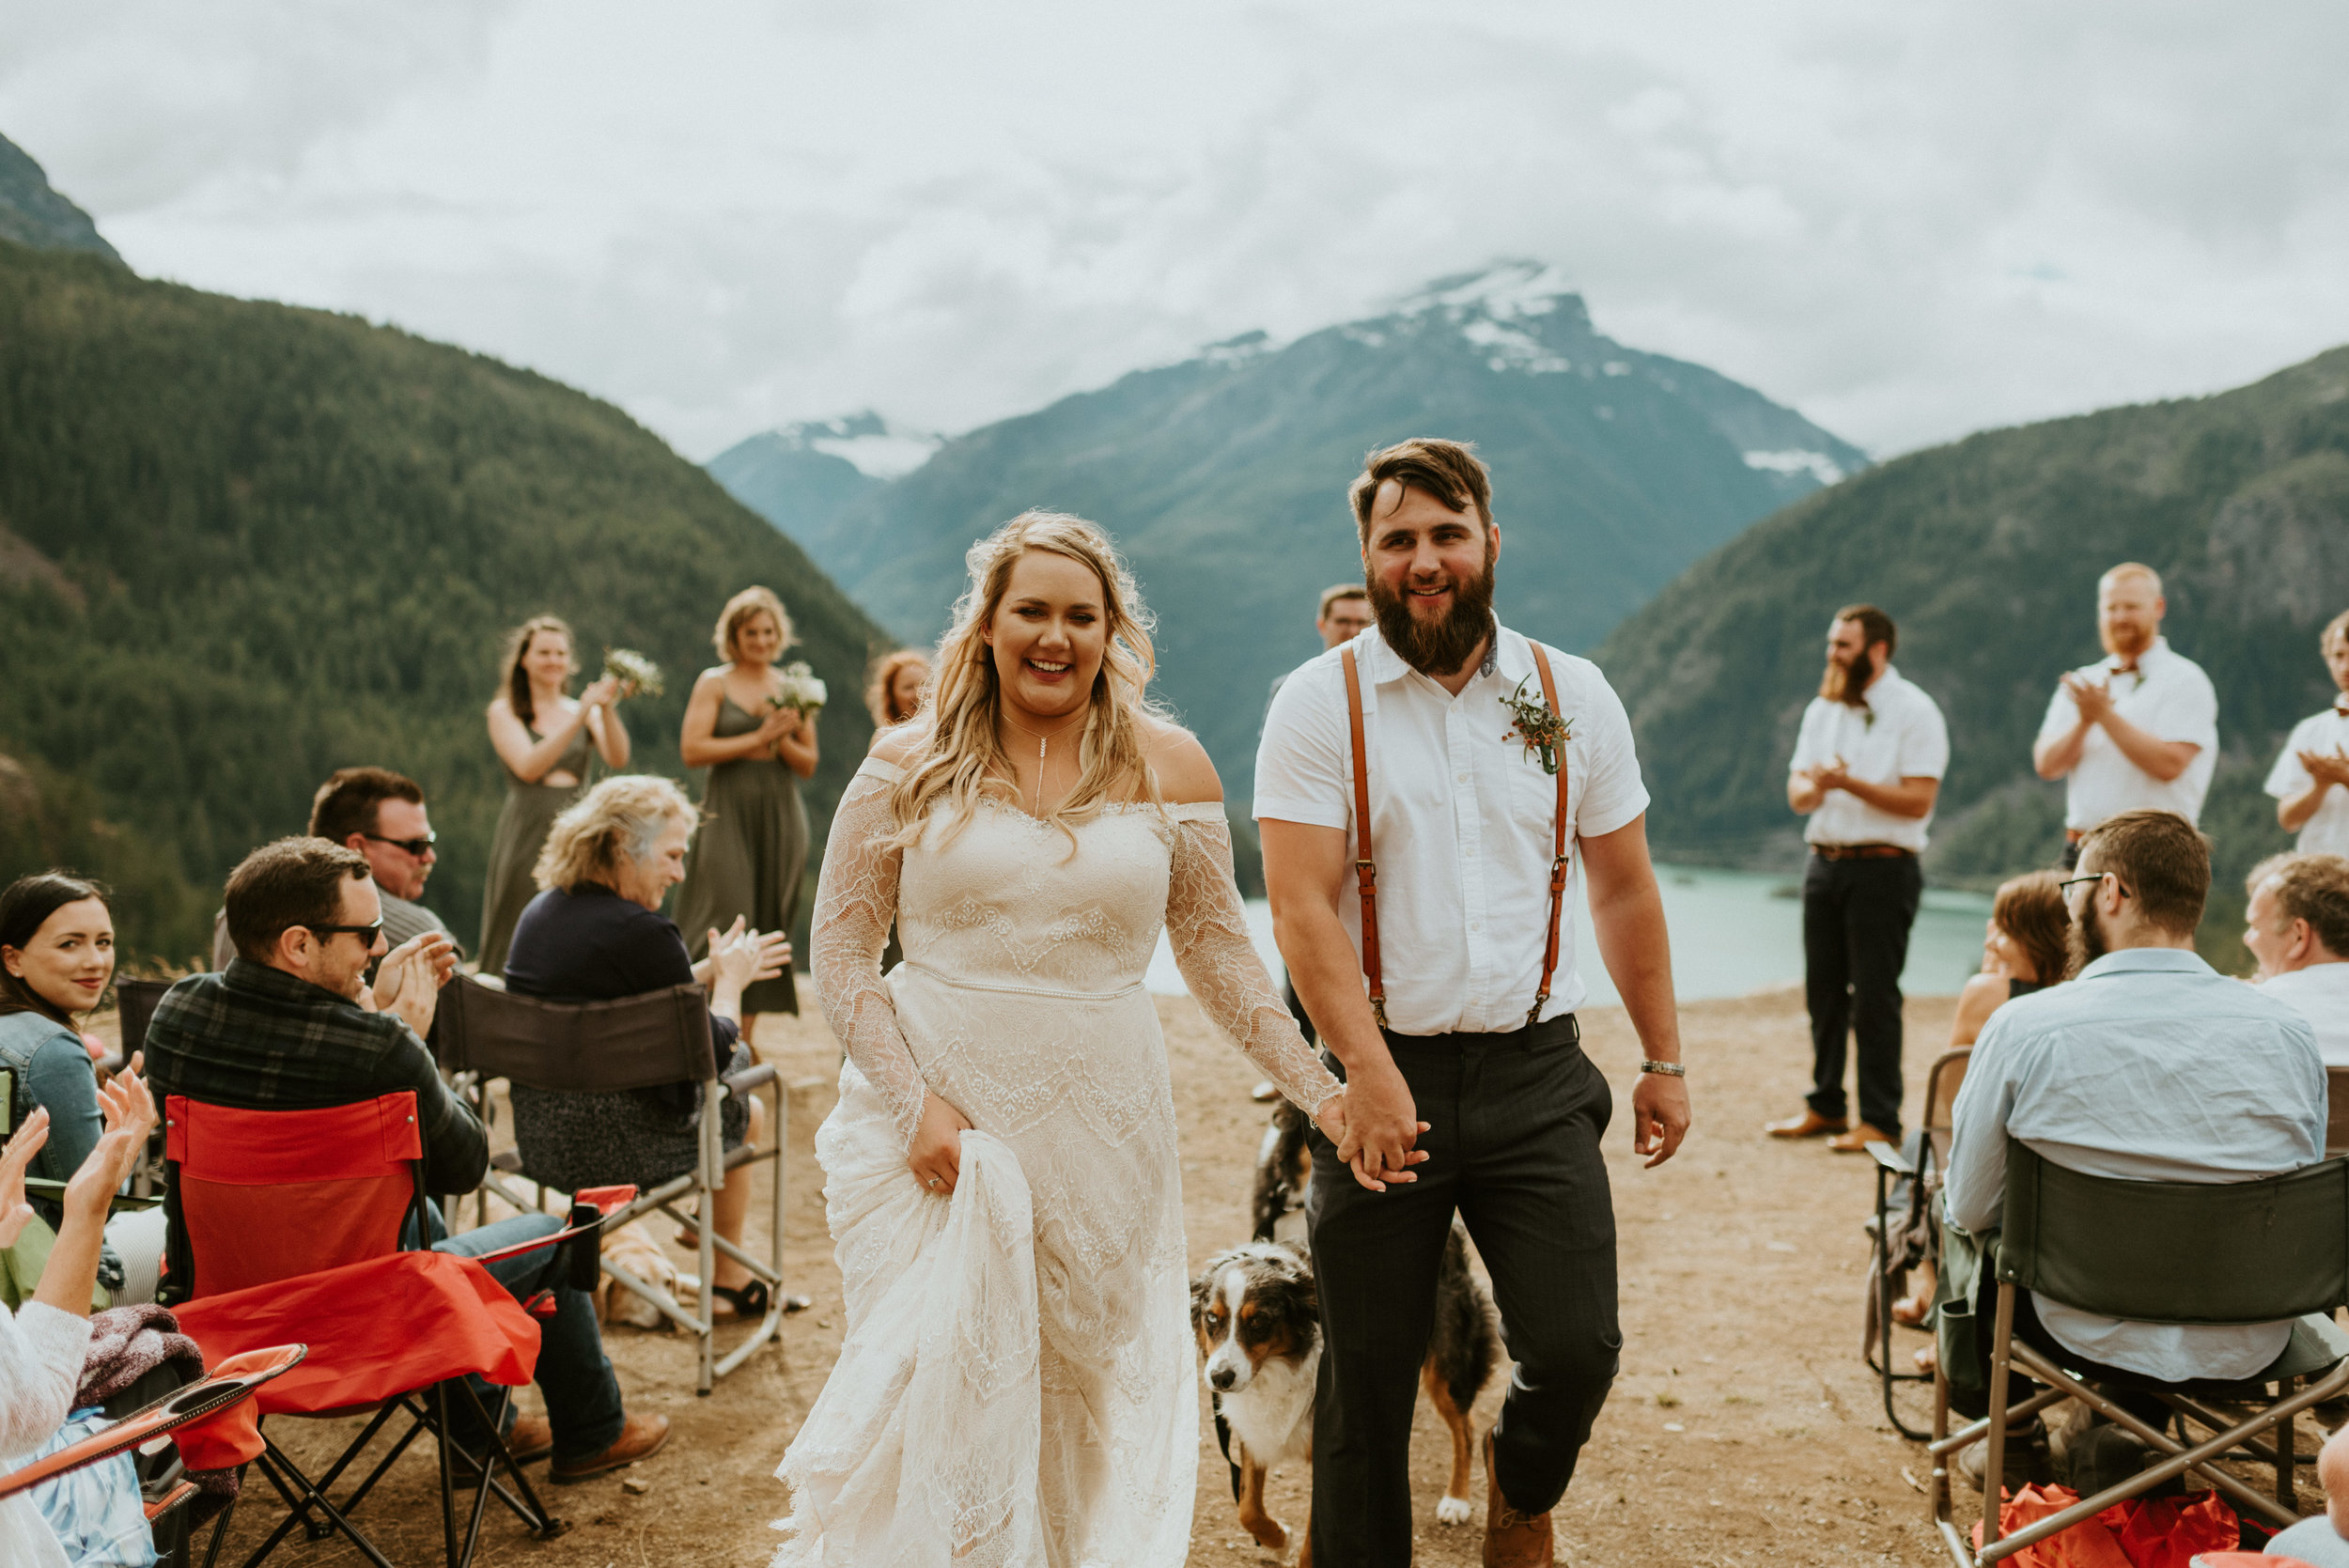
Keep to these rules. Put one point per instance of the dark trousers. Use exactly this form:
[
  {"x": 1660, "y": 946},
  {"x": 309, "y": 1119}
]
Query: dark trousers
[
  {"x": 1515, "y": 1123},
  {"x": 573, "y": 1374},
  {"x": 1856, "y": 916},
  {"x": 1297, "y": 1011}
]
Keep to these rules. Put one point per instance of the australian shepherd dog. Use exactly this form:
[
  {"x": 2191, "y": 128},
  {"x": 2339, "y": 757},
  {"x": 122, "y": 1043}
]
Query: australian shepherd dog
[{"x": 1259, "y": 1326}]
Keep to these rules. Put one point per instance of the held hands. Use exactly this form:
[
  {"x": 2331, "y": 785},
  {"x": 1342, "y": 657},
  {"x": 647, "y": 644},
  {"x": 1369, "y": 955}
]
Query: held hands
[
  {"x": 407, "y": 982},
  {"x": 15, "y": 1213},
  {"x": 1379, "y": 1126},
  {"x": 935, "y": 1155},
  {"x": 1660, "y": 1116}
]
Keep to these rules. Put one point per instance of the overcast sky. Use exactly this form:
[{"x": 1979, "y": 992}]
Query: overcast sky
[{"x": 1910, "y": 221}]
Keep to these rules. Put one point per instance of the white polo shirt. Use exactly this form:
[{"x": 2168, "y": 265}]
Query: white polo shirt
[
  {"x": 2319, "y": 993},
  {"x": 1897, "y": 735},
  {"x": 2327, "y": 832},
  {"x": 2169, "y": 697},
  {"x": 1461, "y": 819}
]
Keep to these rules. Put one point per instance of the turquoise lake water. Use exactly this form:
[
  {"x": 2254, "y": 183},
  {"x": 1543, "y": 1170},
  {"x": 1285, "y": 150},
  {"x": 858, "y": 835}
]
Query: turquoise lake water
[{"x": 1732, "y": 932}]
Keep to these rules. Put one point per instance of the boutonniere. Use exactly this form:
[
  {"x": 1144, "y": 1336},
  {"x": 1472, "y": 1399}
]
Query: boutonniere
[
  {"x": 1536, "y": 726},
  {"x": 1867, "y": 716}
]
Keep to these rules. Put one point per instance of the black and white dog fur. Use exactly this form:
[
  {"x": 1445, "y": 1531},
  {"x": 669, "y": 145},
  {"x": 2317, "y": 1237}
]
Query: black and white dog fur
[{"x": 1258, "y": 1322}]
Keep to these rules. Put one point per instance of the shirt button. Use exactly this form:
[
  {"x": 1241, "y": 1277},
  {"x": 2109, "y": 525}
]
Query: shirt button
[
  {"x": 1476, "y": 926},
  {"x": 1462, "y": 776}
]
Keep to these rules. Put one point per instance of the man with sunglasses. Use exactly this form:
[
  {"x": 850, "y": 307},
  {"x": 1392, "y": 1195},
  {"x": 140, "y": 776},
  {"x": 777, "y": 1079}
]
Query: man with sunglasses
[
  {"x": 380, "y": 814},
  {"x": 293, "y": 1024}
]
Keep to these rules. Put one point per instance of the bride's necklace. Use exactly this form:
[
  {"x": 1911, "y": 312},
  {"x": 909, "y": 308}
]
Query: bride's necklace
[{"x": 1042, "y": 741}]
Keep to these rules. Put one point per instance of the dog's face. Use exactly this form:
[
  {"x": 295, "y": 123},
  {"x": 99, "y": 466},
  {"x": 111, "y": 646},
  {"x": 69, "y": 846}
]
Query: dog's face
[{"x": 1252, "y": 1305}]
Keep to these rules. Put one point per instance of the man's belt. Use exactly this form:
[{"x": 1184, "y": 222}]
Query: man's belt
[{"x": 1861, "y": 852}]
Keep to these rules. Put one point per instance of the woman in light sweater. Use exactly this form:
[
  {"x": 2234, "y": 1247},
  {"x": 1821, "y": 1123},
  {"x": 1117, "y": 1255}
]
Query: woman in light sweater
[{"x": 44, "y": 1343}]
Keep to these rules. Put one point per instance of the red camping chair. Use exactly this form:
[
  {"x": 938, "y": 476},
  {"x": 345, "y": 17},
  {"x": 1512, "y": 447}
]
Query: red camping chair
[{"x": 292, "y": 1220}]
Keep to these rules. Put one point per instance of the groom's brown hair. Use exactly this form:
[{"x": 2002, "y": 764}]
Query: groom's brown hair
[{"x": 1448, "y": 470}]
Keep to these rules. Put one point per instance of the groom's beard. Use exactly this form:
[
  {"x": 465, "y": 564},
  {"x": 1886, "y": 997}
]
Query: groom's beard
[
  {"x": 2086, "y": 941},
  {"x": 1441, "y": 647},
  {"x": 1849, "y": 683}
]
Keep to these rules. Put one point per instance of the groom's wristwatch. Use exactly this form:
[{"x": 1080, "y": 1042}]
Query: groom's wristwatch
[{"x": 1669, "y": 1069}]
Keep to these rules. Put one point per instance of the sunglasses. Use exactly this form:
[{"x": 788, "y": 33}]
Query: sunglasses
[
  {"x": 365, "y": 933},
  {"x": 416, "y": 847},
  {"x": 2063, "y": 888}
]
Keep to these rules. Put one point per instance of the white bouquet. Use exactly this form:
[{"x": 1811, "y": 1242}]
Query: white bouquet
[
  {"x": 631, "y": 671},
  {"x": 801, "y": 690}
]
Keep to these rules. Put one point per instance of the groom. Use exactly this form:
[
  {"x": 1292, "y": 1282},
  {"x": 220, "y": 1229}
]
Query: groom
[{"x": 1435, "y": 953}]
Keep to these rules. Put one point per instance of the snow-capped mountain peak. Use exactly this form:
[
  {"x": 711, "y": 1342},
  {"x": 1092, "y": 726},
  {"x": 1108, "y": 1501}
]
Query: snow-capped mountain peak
[{"x": 878, "y": 448}]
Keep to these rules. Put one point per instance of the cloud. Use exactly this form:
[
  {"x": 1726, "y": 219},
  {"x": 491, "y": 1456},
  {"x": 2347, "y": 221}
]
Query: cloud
[{"x": 1910, "y": 223}]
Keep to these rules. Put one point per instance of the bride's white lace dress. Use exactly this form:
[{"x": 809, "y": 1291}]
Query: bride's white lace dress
[{"x": 1017, "y": 1382}]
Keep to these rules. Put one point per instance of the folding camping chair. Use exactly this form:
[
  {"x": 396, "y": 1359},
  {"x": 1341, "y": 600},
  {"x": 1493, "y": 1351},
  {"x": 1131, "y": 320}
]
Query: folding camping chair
[
  {"x": 134, "y": 1008},
  {"x": 1889, "y": 1256},
  {"x": 2268, "y": 1250},
  {"x": 2337, "y": 1110},
  {"x": 297, "y": 1216},
  {"x": 642, "y": 1042}
]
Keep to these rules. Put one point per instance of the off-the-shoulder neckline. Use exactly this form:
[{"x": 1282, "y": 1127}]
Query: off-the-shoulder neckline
[{"x": 880, "y": 769}]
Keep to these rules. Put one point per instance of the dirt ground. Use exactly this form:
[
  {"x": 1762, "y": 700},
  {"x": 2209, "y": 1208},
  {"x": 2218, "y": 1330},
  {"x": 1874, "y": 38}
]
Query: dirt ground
[{"x": 1743, "y": 1429}]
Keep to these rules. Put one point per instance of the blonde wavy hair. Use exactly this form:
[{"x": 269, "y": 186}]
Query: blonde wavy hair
[
  {"x": 740, "y": 608},
  {"x": 884, "y": 677},
  {"x": 961, "y": 760},
  {"x": 619, "y": 818}
]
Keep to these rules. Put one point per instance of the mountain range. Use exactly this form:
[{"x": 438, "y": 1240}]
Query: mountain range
[
  {"x": 34, "y": 212},
  {"x": 1987, "y": 553},
  {"x": 1223, "y": 479},
  {"x": 244, "y": 544}
]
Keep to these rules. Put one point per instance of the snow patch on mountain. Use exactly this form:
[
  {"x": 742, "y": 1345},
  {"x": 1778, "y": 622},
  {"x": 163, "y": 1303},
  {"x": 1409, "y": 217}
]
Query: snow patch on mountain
[
  {"x": 1817, "y": 464},
  {"x": 878, "y": 448}
]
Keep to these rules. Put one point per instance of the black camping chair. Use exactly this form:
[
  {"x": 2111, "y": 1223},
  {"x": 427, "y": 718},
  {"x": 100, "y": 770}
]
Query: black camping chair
[
  {"x": 2269, "y": 1250},
  {"x": 1904, "y": 1231}
]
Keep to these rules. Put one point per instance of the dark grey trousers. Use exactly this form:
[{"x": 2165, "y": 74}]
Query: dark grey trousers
[
  {"x": 1515, "y": 1123},
  {"x": 1856, "y": 916}
]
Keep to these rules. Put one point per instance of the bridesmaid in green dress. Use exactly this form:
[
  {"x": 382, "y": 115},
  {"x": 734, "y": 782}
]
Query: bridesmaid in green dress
[
  {"x": 548, "y": 742},
  {"x": 752, "y": 851}
]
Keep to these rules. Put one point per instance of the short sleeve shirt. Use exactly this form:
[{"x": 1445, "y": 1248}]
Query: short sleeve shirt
[
  {"x": 1898, "y": 734},
  {"x": 2167, "y": 695},
  {"x": 2327, "y": 832},
  {"x": 1462, "y": 819}
]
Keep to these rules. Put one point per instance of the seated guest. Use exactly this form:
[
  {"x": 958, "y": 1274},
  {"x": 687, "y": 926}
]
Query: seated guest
[
  {"x": 596, "y": 934},
  {"x": 2297, "y": 927},
  {"x": 292, "y": 1025},
  {"x": 56, "y": 955},
  {"x": 2149, "y": 1066},
  {"x": 45, "y": 1341},
  {"x": 379, "y": 813},
  {"x": 2024, "y": 950},
  {"x": 2323, "y": 1542}
]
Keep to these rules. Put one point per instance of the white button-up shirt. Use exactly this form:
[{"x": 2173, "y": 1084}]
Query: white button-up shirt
[
  {"x": 2319, "y": 993},
  {"x": 2149, "y": 1066},
  {"x": 1461, "y": 817},
  {"x": 1897, "y": 735},
  {"x": 2327, "y": 832},
  {"x": 2168, "y": 697}
]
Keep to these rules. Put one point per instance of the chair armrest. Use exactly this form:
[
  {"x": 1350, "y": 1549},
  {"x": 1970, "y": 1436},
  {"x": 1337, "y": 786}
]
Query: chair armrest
[
  {"x": 1889, "y": 1158},
  {"x": 738, "y": 1084}
]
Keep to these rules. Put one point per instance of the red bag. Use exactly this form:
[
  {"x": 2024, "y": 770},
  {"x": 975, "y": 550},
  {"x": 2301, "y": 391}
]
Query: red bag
[{"x": 2163, "y": 1533}]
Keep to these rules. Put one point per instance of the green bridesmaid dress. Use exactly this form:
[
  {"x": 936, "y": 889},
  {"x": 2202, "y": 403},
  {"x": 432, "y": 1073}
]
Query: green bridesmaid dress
[
  {"x": 524, "y": 822},
  {"x": 748, "y": 856}
]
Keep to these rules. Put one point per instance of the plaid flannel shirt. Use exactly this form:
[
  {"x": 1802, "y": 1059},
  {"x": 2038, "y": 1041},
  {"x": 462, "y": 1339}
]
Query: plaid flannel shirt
[{"x": 257, "y": 1038}]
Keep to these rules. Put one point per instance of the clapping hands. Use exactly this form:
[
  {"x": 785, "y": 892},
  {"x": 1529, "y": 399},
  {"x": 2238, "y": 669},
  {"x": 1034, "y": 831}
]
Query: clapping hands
[
  {"x": 129, "y": 1113},
  {"x": 2326, "y": 768},
  {"x": 407, "y": 982},
  {"x": 2093, "y": 698},
  {"x": 742, "y": 958},
  {"x": 15, "y": 1213}
]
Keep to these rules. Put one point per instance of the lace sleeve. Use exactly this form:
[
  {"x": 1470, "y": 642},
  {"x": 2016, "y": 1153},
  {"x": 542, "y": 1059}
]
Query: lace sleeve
[
  {"x": 856, "y": 899},
  {"x": 1208, "y": 927}
]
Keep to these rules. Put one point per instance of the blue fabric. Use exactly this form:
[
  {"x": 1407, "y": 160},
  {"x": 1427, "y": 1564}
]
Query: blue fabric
[
  {"x": 2313, "y": 1541},
  {"x": 96, "y": 1512},
  {"x": 53, "y": 1069}
]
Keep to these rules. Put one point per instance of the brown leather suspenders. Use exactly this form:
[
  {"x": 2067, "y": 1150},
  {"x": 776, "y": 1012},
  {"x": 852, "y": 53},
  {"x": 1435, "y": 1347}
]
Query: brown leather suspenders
[{"x": 1366, "y": 870}]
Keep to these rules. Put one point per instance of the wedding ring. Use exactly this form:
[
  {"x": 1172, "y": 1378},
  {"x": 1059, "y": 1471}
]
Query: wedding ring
[{"x": 933, "y": 1181}]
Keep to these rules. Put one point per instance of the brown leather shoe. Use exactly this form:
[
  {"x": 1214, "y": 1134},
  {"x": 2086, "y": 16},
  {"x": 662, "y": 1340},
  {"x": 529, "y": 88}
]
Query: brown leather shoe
[
  {"x": 1512, "y": 1540},
  {"x": 532, "y": 1437},
  {"x": 1856, "y": 1141},
  {"x": 641, "y": 1438},
  {"x": 1808, "y": 1125}
]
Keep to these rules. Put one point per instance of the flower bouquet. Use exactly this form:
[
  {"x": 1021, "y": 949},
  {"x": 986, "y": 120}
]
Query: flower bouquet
[
  {"x": 802, "y": 690},
  {"x": 633, "y": 670}
]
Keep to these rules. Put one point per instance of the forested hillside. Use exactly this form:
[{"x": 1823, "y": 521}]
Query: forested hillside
[
  {"x": 1986, "y": 552},
  {"x": 1224, "y": 478},
  {"x": 244, "y": 544}
]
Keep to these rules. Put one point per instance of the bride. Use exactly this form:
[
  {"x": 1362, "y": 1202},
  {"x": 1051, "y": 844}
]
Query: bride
[{"x": 1015, "y": 1387}]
